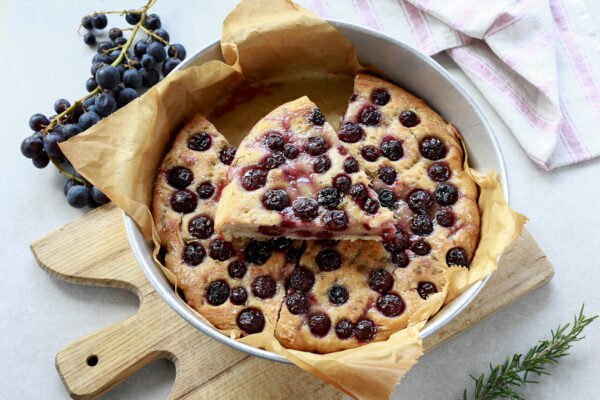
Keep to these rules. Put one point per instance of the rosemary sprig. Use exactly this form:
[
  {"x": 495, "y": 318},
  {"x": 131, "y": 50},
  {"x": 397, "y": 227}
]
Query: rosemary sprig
[{"x": 515, "y": 371}]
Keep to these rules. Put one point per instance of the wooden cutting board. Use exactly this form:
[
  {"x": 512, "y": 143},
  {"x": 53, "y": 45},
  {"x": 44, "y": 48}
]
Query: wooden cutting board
[{"x": 93, "y": 250}]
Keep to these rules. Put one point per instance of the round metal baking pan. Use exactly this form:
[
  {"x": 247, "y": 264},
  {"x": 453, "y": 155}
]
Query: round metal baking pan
[{"x": 415, "y": 72}]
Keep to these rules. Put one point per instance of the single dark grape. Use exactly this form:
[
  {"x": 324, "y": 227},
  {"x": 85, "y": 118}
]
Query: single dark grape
[
  {"x": 98, "y": 196},
  {"x": 329, "y": 197},
  {"x": 95, "y": 67},
  {"x": 126, "y": 96},
  {"x": 409, "y": 119},
  {"x": 169, "y": 65},
  {"x": 105, "y": 104},
  {"x": 91, "y": 84},
  {"x": 316, "y": 145},
  {"x": 398, "y": 242},
  {"x": 157, "y": 50},
  {"x": 99, "y": 21},
  {"x": 387, "y": 175},
  {"x": 420, "y": 201},
  {"x": 328, "y": 260},
  {"x": 421, "y": 225},
  {"x": 317, "y": 117},
  {"x": 439, "y": 172},
  {"x": 302, "y": 280},
  {"x": 89, "y": 102},
  {"x": 425, "y": 289},
  {"x": 380, "y": 96},
  {"x": 148, "y": 61},
  {"x": 239, "y": 295},
  {"x": 150, "y": 77},
  {"x": 120, "y": 41},
  {"x": 446, "y": 194},
  {"x": 101, "y": 58},
  {"x": 152, "y": 22},
  {"x": 68, "y": 184},
  {"x": 390, "y": 305},
  {"x": 161, "y": 33},
  {"x": 370, "y": 206},
  {"x": 251, "y": 320},
  {"x": 78, "y": 196},
  {"x": 420, "y": 247},
  {"x": 32, "y": 146},
  {"x": 400, "y": 259},
  {"x": 177, "y": 51},
  {"x": 305, "y": 208},
  {"x": 201, "y": 227},
  {"x": 380, "y": 280},
  {"x": 264, "y": 287},
  {"x": 338, "y": 295},
  {"x": 61, "y": 105},
  {"x": 71, "y": 130},
  {"x": 275, "y": 199},
  {"x": 114, "y": 54},
  {"x": 290, "y": 151},
  {"x": 193, "y": 254},
  {"x": 344, "y": 329},
  {"x": 140, "y": 47},
  {"x": 297, "y": 303},
  {"x": 432, "y": 148},
  {"x": 220, "y": 250},
  {"x": 227, "y": 155},
  {"x": 350, "y": 132},
  {"x": 359, "y": 192},
  {"x": 387, "y": 198},
  {"x": 114, "y": 33},
  {"x": 133, "y": 18},
  {"x": 365, "y": 330},
  {"x": 132, "y": 78},
  {"x": 104, "y": 46},
  {"x": 217, "y": 293},
  {"x": 369, "y": 153},
  {"x": 237, "y": 269},
  {"x": 321, "y": 164},
  {"x": 51, "y": 141},
  {"x": 370, "y": 116},
  {"x": 205, "y": 190},
  {"x": 89, "y": 39},
  {"x": 38, "y": 121},
  {"x": 40, "y": 161},
  {"x": 107, "y": 77},
  {"x": 351, "y": 165},
  {"x": 457, "y": 256},
  {"x": 392, "y": 149},
  {"x": 319, "y": 324},
  {"x": 258, "y": 252},
  {"x": 86, "y": 22},
  {"x": 88, "y": 119}
]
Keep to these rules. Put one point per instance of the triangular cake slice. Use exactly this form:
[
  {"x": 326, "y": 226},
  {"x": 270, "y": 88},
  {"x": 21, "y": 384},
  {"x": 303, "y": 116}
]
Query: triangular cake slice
[{"x": 293, "y": 177}]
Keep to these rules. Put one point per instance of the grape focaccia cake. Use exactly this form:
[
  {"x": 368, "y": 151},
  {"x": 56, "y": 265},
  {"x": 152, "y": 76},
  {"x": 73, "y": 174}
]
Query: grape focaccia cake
[
  {"x": 293, "y": 177},
  {"x": 320, "y": 295}
]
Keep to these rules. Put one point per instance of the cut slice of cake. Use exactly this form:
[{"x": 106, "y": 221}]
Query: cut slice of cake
[{"x": 293, "y": 177}]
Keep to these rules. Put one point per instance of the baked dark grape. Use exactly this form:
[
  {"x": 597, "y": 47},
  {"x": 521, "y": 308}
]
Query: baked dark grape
[
  {"x": 387, "y": 198},
  {"x": 369, "y": 116},
  {"x": 201, "y": 227},
  {"x": 369, "y": 153},
  {"x": 392, "y": 149},
  {"x": 272, "y": 161},
  {"x": 290, "y": 151},
  {"x": 169, "y": 65},
  {"x": 251, "y": 320},
  {"x": 351, "y": 165},
  {"x": 293, "y": 255},
  {"x": 152, "y": 22},
  {"x": 359, "y": 192},
  {"x": 390, "y": 305},
  {"x": 380, "y": 97},
  {"x": 217, "y": 293},
  {"x": 380, "y": 280},
  {"x": 365, "y": 330},
  {"x": 409, "y": 119},
  {"x": 264, "y": 287},
  {"x": 350, "y": 132},
  {"x": 183, "y": 201},
  {"x": 421, "y": 225},
  {"x": 281, "y": 243},
  {"x": 446, "y": 194},
  {"x": 370, "y": 206},
  {"x": 305, "y": 208},
  {"x": 420, "y": 247},
  {"x": 274, "y": 141},
  {"x": 254, "y": 178},
  {"x": 457, "y": 256},
  {"x": 432, "y": 148},
  {"x": 220, "y": 250},
  {"x": 387, "y": 175},
  {"x": 420, "y": 201},
  {"x": 329, "y": 197},
  {"x": 398, "y": 242},
  {"x": 177, "y": 51},
  {"x": 338, "y": 295},
  {"x": 205, "y": 190},
  {"x": 426, "y": 289},
  {"x": 439, "y": 172},
  {"x": 445, "y": 217},
  {"x": 400, "y": 259},
  {"x": 239, "y": 295},
  {"x": 344, "y": 329},
  {"x": 319, "y": 324},
  {"x": 317, "y": 117},
  {"x": 342, "y": 183},
  {"x": 302, "y": 280},
  {"x": 78, "y": 196},
  {"x": 237, "y": 269},
  {"x": 336, "y": 220},
  {"x": 275, "y": 199},
  {"x": 316, "y": 146},
  {"x": 258, "y": 252},
  {"x": 328, "y": 260},
  {"x": 297, "y": 303}
]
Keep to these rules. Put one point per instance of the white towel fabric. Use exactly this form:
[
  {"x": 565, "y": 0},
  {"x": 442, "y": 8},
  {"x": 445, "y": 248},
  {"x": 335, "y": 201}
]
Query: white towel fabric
[{"x": 537, "y": 62}]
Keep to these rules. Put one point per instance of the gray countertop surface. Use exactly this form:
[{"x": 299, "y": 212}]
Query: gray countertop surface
[{"x": 44, "y": 60}]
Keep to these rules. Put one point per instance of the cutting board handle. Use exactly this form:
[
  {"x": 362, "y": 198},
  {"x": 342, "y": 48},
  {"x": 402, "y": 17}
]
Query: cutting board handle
[{"x": 94, "y": 364}]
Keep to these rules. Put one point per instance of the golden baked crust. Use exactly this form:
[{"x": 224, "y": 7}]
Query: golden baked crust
[{"x": 288, "y": 179}]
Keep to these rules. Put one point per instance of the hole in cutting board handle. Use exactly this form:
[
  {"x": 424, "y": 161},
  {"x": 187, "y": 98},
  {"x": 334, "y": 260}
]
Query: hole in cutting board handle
[{"x": 92, "y": 360}]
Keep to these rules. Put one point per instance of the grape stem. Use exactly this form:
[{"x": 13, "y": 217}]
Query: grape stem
[{"x": 56, "y": 120}]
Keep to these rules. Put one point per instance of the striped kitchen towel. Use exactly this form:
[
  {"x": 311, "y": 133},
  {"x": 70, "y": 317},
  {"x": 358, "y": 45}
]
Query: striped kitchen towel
[{"x": 537, "y": 62}]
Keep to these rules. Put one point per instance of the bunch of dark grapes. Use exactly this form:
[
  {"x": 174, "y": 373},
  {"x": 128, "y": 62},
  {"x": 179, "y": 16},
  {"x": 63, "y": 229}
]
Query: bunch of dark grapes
[{"x": 123, "y": 67}]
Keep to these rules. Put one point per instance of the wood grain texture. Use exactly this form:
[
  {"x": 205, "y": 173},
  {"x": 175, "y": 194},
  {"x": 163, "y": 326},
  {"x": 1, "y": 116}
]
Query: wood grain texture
[{"x": 93, "y": 250}]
